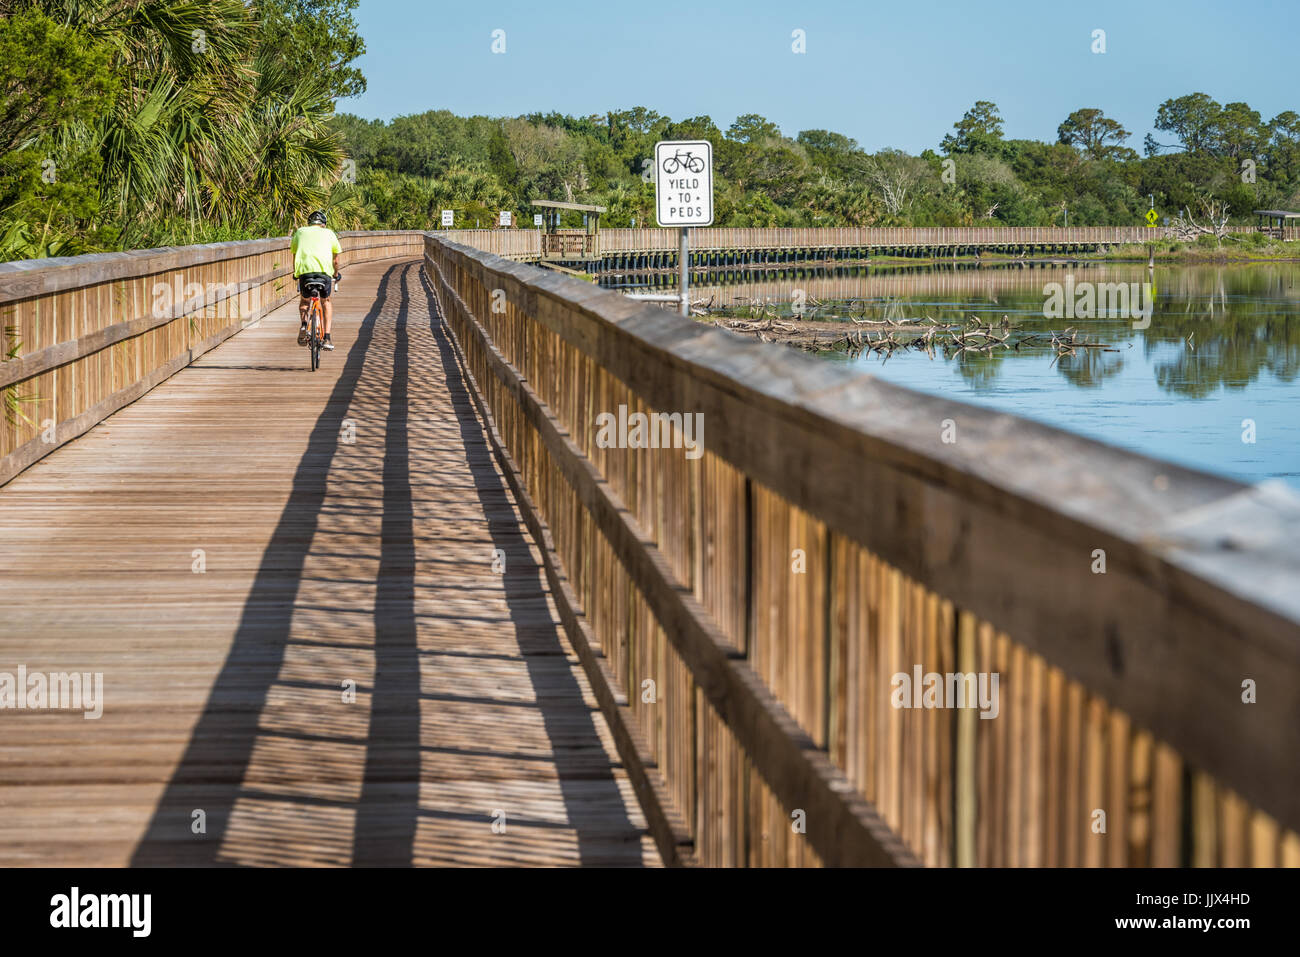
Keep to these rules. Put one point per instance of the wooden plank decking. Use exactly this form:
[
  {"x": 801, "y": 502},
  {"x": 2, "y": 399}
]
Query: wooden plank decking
[{"x": 325, "y": 561}]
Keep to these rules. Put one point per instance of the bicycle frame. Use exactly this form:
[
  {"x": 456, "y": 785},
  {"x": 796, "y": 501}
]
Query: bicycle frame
[
  {"x": 315, "y": 329},
  {"x": 316, "y": 323}
]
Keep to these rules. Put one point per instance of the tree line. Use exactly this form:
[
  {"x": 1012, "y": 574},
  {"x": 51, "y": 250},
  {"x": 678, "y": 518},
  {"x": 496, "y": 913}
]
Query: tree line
[{"x": 414, "y": 166}]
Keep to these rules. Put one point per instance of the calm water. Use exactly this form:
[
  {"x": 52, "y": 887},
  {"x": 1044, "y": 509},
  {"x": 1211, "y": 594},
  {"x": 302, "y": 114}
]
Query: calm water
[{"x": 1223, "y": 346}]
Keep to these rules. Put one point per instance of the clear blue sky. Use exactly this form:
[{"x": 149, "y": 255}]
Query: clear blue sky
[{"x": 893, "y": 73}]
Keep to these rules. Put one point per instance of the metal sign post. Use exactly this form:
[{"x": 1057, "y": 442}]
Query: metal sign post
[
  {"x": 684, "y": 267},
  {"x": 684, "y": 197}
]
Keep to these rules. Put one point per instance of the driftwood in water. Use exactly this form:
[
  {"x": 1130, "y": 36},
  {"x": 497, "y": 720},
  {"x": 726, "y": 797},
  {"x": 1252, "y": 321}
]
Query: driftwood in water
[{"x": 886, "y": 336}]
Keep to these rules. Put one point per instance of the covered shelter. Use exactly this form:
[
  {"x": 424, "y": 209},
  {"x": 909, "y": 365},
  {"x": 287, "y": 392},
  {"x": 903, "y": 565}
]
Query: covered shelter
[
  {"x": 1274, "y": 221},
  {"x": 574, "y": 244}
]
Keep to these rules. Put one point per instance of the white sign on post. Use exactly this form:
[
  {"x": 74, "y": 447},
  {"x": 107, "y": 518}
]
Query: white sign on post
[
  {"x": 505, "y": 217},
  {"x": 448, "y": 218},
  {"x": 537, "y": 219},
  {"x": 684, "y": 182}
]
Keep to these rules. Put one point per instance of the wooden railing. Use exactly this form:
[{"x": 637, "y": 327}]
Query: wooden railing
[
  {"x": 1290, "y": 233},
  {"x": 94, "y": 333},
  {"x": 659, "y": 240},
  {"x": 522, "y": 244},
  {"x": 527, "y": 244},
  {"x": 743, "y": 614},
  {"x": 576, "y": 243}
]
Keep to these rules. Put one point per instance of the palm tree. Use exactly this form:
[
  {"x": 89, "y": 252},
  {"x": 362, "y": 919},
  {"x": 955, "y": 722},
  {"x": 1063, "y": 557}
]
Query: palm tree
[{"x": 209, "y": 133}]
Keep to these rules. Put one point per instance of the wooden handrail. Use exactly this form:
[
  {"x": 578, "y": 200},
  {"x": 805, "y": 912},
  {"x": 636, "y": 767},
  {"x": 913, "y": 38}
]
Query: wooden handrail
[{"x": 979, "y": 552}]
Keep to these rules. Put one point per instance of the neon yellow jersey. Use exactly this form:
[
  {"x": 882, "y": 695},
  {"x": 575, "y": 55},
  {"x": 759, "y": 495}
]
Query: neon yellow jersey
[{"x": 314, "y": 248}]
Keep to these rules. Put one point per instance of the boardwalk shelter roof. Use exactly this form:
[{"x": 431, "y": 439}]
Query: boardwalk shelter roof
[{"x": 580, "y": 207}]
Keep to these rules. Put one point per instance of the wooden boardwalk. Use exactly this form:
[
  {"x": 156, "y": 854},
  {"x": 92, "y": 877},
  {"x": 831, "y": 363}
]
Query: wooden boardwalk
[{"x": 348, "y": 523}]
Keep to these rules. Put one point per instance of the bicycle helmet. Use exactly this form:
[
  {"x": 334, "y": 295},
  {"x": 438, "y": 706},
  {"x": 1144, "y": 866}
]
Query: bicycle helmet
[{"x": 316, "y": 219}]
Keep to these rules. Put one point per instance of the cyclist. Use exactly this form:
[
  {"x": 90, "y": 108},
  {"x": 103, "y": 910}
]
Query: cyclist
[{"x": 316, "y": 251}]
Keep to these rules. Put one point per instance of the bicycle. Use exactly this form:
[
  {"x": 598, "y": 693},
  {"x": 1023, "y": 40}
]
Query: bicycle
[
  {"x": 693, "y": 163},
  {"x": 316, "y": 321}
]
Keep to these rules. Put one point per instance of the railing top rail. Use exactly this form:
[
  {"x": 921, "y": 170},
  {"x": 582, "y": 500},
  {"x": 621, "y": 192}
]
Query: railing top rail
[{"x": 36, "y": 277}]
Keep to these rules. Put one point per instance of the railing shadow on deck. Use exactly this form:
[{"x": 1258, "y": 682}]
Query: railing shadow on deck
[
  {"x": 211, "y": 772},
  {"x": 218, "y": 772},
  {"x": 593, "y": 802}
]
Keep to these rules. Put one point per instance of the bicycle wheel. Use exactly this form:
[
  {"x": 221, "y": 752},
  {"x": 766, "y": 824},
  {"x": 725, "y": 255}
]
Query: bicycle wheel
[
  {"x": 315, "y": 322},
  {"x": 670, "y": 166},
  {"x": 695, "y": 164}
]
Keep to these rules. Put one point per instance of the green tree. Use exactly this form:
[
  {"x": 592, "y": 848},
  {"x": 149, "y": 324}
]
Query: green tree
[
  {"x": 1193, "y": 119},
  {"x": 1094, "y": 134},
  {"x": 752, "y": 128},
  {"x": 502, "y": 160},
  {"x": 978, "y": 131},
  {"x": 694, "y": 128},
  {"x": 1240, "y": 132},
  {"x": 835, "y": 153},
  {"x": 549, "y": 161},
  {"x": 315, "y": 36},
  {"x": 52, "y": 76},
  {"x": 1282, "y": 153}
]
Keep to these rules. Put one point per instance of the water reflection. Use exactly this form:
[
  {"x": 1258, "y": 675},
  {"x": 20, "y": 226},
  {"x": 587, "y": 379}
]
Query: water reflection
[{"x": 1222, "y": 350}]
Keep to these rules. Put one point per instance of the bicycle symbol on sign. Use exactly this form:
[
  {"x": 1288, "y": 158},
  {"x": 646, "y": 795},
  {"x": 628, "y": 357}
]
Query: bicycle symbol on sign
[{"x": 687, "y": 161}]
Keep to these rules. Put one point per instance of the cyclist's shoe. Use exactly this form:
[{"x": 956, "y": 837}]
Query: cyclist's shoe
[
  {"x": 303, "y": 335},
  {"x": 328, "y": 344}
]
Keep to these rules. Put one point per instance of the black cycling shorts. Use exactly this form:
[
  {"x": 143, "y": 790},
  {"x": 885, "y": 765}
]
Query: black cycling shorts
[{"x": 317, "y": 278}]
